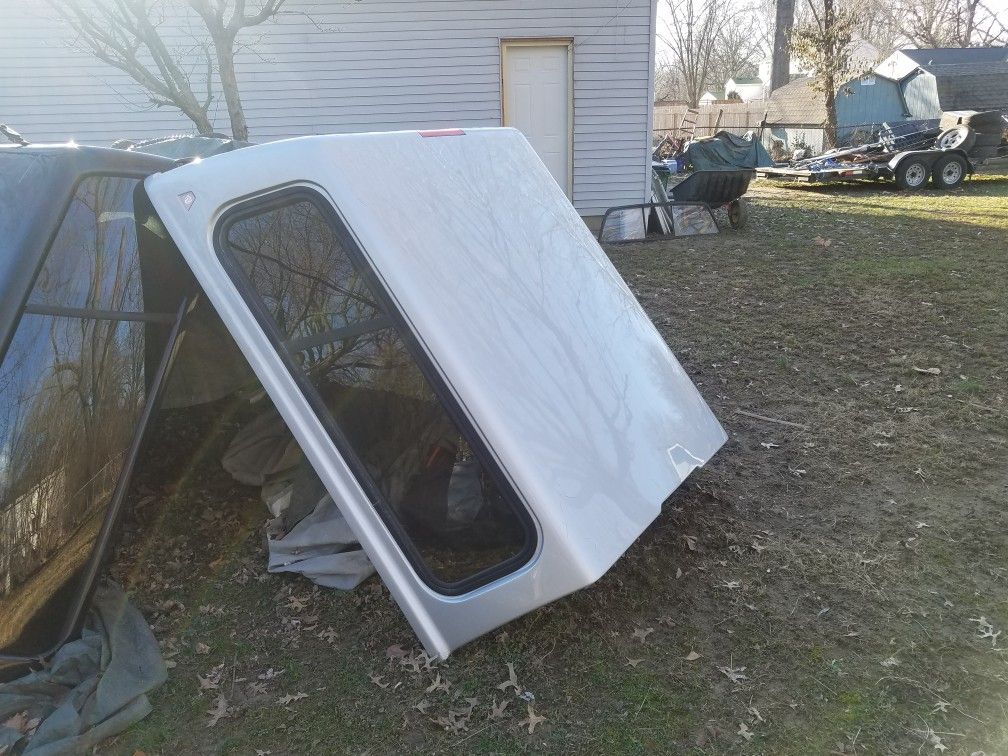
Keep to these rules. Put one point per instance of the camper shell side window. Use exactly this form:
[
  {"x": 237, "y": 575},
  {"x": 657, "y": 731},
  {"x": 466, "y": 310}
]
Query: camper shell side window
[{"x": 384, "y": 405}]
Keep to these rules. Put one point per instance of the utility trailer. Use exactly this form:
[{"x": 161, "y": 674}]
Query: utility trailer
[
  {"x": 944, "y": 150},
  {"x": 910, "y": 169}
]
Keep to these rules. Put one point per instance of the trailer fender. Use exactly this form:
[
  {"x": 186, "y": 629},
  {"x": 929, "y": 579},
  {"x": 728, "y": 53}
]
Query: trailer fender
[{"x": 928, "y": 156}]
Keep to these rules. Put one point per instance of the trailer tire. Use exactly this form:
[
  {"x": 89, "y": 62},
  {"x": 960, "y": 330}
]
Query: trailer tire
[
  {"x": 738, "y": 213},
  {"x": 949, "y": 172},
  {"x": 912, "y": 174},
  {"x": 958, "y": 138}
]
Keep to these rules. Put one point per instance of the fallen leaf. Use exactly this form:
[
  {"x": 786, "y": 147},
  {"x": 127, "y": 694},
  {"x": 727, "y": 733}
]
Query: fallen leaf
[
  {"x": 633, "y": 662},
  {"x": 692, "y": 656},
  {"x": 744, "y": 731},
  {"x": 21, "y": 723},
  {"x": 892, "y": 661},
  {"x": 438, "y": 684},
  {"x": 928, "y": 371},
  {"x": 202, "y": 648},
  {"x": 533, "y": 720},
  {"x": 498, "y": 709},
  {"x": 690, "y": 542},
  {"x": 512, "y": 681},
  {"x": 641, "y": 633},
  {"x": 209, "y": 682},
  {"x": 329, "y": 635},
  {"x": 735, "y": 674},
  {"x": 291, "y": 698},
  {"x": 378, "y": 680},
  {"x": 297, "y": 604},
  {"x": 219, "y": 711},
  {"x": 395, "y": 652}
]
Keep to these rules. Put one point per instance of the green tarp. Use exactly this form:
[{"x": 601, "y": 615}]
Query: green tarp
[{"x": 726, "y": 151}]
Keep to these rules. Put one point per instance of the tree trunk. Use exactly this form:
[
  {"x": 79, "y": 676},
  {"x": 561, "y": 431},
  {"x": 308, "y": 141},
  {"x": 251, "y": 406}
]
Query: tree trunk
[
  {"x": 198, "y": 116},
  {"x": 229, "y": 85},
  {"x": 780, "y": 67},
  {"x": 831, "y": 116},
  {"x": 829, "y": 79}
]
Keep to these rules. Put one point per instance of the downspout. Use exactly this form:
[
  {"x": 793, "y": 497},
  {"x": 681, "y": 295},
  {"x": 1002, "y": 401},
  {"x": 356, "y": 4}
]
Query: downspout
[{"x": 648, "y": 137}]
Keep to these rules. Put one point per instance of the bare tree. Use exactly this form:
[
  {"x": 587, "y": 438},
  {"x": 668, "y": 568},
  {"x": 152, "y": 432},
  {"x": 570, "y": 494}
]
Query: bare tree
[
  {"x": 667, "y": 82},
  {"x": 951, "y": 23},
  {"x": 738, "y": 46},
  {"x": 690, "y": 34},
  {"x": 127, "y": 34},
  {"x": 824, "y": 45},
  {"x": 880, "y": 23},
  {"x": 710, "y": 41}
]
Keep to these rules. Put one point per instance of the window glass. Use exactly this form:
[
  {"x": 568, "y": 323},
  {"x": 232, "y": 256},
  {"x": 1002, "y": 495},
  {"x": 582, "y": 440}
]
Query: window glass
[
  {"x": 93, "y": 261},
  {"x": 71, "y": 391},
  {"x": 338, "y": 336}
]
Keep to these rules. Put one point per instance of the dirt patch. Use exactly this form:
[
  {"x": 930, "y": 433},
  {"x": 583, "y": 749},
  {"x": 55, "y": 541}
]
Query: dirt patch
[{"x": 834, "y": 587}]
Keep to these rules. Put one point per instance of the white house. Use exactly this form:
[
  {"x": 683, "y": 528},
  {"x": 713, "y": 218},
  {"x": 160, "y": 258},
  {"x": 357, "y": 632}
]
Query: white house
[
  {"x": 575, "y": 77},
  {"x": 748, "y": 88}
]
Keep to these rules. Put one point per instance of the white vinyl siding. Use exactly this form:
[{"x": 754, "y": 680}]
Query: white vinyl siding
[{"x": 371, "y": 65}]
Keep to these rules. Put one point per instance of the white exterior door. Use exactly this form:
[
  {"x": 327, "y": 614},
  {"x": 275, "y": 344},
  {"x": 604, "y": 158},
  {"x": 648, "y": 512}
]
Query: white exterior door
[{"x": 537, "y": 101}]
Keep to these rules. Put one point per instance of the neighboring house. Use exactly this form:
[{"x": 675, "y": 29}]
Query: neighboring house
[
  {"x": 748, "y": 88},
  {"x": 863, "y": 54},
  {"x": 796, "y": 115},
  {"x": 909, "y": 84},
  {"x": 576, "y": 78},
  {"x": 708, "y": 98}
]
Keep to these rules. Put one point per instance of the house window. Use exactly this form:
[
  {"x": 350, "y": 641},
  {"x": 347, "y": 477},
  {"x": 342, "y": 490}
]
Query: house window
[
  {"x": 426, "y": 472},
  {"x": 72, "y": 390}
]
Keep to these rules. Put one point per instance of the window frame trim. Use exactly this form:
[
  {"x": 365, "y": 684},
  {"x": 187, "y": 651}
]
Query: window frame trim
[
  {"x": 92, "y": 566},
  {"x": 273, "y": 199},
  {"x": 83, "y": 176}
]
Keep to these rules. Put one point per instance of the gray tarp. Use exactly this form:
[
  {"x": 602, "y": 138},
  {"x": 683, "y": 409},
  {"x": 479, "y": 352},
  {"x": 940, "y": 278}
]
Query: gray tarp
[
  {"x": 308, "y": 534},
  {"x": 93, "y": 688},
  {"x": 726, "y": 150}
]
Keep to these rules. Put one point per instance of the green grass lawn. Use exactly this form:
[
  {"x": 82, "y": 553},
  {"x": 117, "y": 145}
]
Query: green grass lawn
[{"x": 842, "y": 586}]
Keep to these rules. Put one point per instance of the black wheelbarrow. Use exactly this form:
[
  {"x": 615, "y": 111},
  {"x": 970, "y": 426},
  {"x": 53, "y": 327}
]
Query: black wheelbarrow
[{"x": 684, "y": 209}]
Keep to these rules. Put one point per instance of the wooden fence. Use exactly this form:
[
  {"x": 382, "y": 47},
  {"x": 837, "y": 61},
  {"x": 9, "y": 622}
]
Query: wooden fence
[{"x": 733, "y": 116}]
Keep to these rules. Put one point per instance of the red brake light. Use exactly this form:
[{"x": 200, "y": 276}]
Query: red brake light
[{"x": 442, "y": 132}]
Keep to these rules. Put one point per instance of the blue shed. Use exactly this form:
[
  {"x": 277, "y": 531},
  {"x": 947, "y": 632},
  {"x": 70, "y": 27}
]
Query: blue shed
[
  {"x": 862, "y": 104},
  {"x": 909, "y": 84}
]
